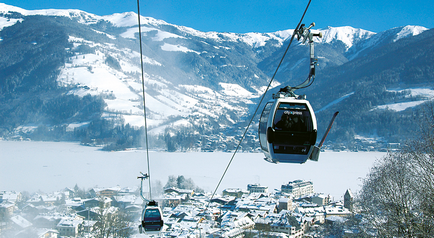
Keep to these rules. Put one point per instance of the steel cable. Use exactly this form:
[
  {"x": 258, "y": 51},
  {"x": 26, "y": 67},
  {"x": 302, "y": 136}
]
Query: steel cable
[
  {"x": 144, "y": 99},
  {"x": 259, "y": 104}
]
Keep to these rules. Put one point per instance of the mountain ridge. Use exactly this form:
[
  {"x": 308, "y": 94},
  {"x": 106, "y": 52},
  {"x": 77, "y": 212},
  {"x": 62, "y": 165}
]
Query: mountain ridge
[{"x": 193, "y": 79}]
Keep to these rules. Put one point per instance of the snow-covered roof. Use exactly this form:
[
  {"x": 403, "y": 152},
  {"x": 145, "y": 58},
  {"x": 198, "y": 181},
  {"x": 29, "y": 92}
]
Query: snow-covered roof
[
  {"x": 21, "y": 221},
  {"x": 336, "y": 210},
  {"x": 69, "y": 222}
]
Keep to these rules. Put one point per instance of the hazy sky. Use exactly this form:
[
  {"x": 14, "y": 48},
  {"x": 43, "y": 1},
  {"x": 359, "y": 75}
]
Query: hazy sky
[{"x": 241, "y": 16}]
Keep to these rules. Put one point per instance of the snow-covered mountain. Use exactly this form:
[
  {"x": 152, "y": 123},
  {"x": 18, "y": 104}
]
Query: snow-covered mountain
[{"x": 192, "y": 78}]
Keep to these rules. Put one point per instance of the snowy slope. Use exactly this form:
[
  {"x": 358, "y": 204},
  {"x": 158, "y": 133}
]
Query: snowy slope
[
  {"x": 413, "y": 98},
  {"x": 122, "y": 89},
  {"x": 346, "y": 34},
  {"x": 409, "y": 31},
  {"x": 5, "y": 22},
  {"x": 219, "y": 81},
  {"x": 80, "y": 16},
  {"x": 376, "y": 40},
  {"x": 124, "y": 92}
]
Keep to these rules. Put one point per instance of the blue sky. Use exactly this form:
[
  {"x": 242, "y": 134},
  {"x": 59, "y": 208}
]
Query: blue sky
[{"x": 241, "y": 16}]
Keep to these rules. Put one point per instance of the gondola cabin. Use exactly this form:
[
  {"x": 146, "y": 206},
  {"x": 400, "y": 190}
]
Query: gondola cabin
[
  {"x": 287, "y": 130},
  {"x": 152, "y": 218}
]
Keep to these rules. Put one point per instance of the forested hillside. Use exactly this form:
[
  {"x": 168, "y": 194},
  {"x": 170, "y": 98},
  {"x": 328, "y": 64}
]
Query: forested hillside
[
  {"x": 78, "y": 78},
  {"x": 386, "y": 76}
]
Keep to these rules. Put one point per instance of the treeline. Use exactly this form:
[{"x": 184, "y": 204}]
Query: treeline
[
  {"x": 31, "y": 64},
  {"x": 386, "y": 124},
  {"x": 182, "y": 183},
  {"x": 52, "y": 115},
  {"x": 113, "y": 135},
  {"x": 359, "y": 116},
  {"x": 50, "y": 112},
  {"x": 181, "y": 138}
]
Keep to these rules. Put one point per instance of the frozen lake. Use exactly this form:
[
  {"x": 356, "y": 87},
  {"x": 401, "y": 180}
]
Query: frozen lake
[{"x": 52, "y": 166}]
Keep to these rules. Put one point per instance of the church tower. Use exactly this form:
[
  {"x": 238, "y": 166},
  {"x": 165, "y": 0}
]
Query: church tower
[{"x": 348, "y": 200}]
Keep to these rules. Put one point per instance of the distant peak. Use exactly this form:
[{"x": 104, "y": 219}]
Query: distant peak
[
  {"x": 4, "y": 8},
  {"x": 409, "y": 30},
  {"x": 79, "y": 15},
  {"x": 347, "y": 34},
  {"x": 128, "y": 19}
]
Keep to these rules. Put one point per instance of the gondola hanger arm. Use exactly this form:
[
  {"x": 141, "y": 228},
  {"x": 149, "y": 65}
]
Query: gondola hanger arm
[{"x": 304, "y": 34}]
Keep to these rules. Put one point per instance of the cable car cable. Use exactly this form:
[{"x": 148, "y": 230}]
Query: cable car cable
[
  {"x": 259, "y": 104},
  {"x": 152, "y": 220},
  {"x": 144, "y": 99}
]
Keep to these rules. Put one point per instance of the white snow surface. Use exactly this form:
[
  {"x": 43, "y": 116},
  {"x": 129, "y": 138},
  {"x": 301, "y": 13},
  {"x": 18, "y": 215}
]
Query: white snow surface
[
  {"x": 91, "y": 74},
  {"x": 235, "y": 90},
  {"x": 83, "y": 17},
  {"x": 180, "y": 48},
  {"x": 400, "y": 106},
  {"x": 128, "y": 19},
  {"x": 148, "y": 23},
  {"x": 260, "y": 39},
  {"x": 410, "y": 31},
  {"x": 335, "y": 102},
  {"x": 346, "y": 34},
  {"x": 4, "y": 22},
  {"x": 426, "y": 93},
  {"x": 160, "y": 36},
  {"x": 52, "y": 166},
  {"x": 21, "y": 221}
]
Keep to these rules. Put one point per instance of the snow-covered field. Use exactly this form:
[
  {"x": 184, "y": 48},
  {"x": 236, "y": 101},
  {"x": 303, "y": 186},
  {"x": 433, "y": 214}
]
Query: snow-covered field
[
  {"x": 52, "y": 166},
  {"x": 426, "y": 93}
]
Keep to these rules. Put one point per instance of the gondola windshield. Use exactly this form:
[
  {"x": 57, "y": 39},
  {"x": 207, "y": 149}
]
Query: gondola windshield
[
  {"x": 293, "y": 117},
  {"x": 151, "y": 213},
  {"x": 293, "y": 131},
  {"x": 152, "y": 219}
]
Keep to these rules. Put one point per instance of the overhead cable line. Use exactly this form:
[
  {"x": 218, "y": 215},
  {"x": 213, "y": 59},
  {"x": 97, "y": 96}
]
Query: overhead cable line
[
  {"x": 144, "y": 100},
  {"x": 259, "y": 104}
]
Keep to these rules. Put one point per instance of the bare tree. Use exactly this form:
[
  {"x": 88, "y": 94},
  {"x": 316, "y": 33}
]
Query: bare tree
[
  {"x": 111, "y": 222},
  {"x": 179, "y": 182},
  {"x": 387, "y": 198},
  {"x": 4, "y": 221},
  {"x": 422, "y": 163},
  {"x": 397, "y": 197}
]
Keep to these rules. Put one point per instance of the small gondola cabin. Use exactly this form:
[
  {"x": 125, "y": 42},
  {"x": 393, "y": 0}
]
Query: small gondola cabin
[
  {"x": 287, "y": 130},
  {"x": 152, "y": 218}
]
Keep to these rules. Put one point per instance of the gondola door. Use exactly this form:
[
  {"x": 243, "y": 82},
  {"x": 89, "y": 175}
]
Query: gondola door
[{"x": 263, "y": 135}]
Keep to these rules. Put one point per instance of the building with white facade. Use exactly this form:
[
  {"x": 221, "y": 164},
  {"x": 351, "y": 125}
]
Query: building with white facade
[
  {"x": 256, "y": 188},
  {"x": 69, "y": 226},
  {"x": 321, "y": 199},
  {"x": 236, "y": 192},
  {"x": 298, "y": 188}
]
